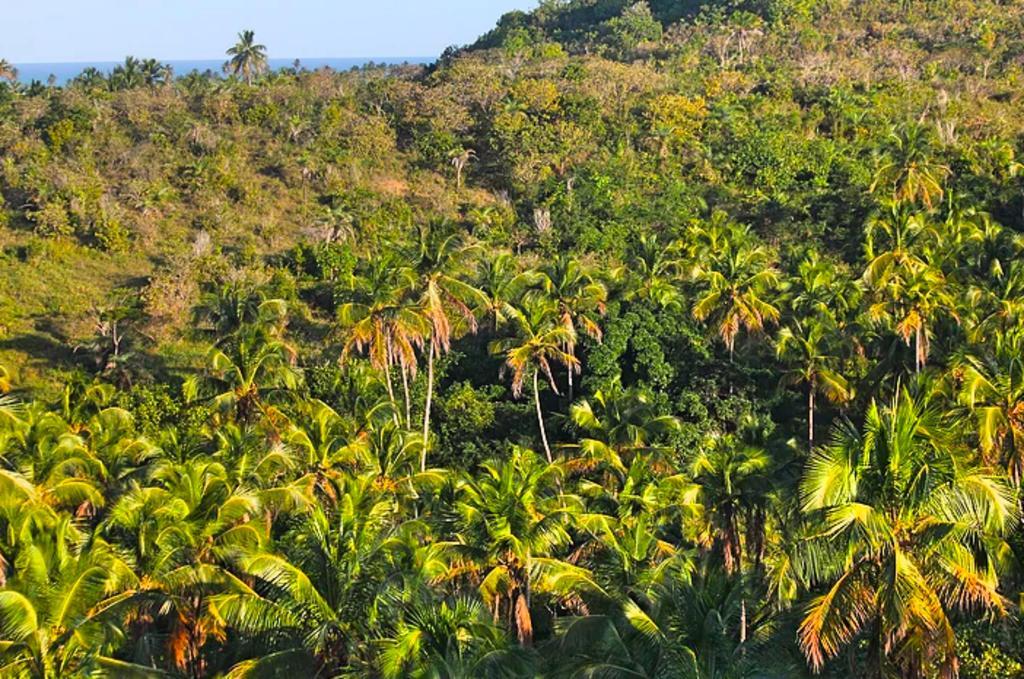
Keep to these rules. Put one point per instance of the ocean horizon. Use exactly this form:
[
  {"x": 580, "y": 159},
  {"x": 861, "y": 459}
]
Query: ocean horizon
[{"x": 63, "y": 71}]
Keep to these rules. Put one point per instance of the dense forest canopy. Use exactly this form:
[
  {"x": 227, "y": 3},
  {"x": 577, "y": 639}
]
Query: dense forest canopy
[{"x": 636, "y": 339}]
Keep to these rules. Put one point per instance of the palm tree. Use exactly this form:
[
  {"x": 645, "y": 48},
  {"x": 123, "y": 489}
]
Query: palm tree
[
  {"x": 908, "y": 292},
  {"x": 51, "y": 611},
  {"x": 460, "y": 157},
  {"x": 915, "y": 529},
  {"x": 382, "y": 319},
  {"x": 908, "y": 173},
  {"x": 511, "y": 522},
  {"x": 500, "y": 282},
  {"x": 823, "y": 287},
  {"x": 684, "y": 629},
  {"x": 996, "y": 304},
  {"x": 540, "y": 340},
  {"x": 7, "y": 71},
  {"x": 248, "y": 58},
  {"x": 734, "y": 285},
  {"x": 128, "y": 75},
  {"x": 619, "y": 424},
  {"x": 991, "y": 385},
  {"x": 450, "y": 640},
  {"x": 155, "y": 73},
  {"x": 318, "y": 600},
  {"x": 807, "y": 347},
  {"x": 654, "y": 271},
  {"x": 445, "y": 298},
  {"x": 186, "y": 529},
  {"x": 580, "y": 300},
  {"x": 242, "y": 376},
  {"x": 733, "y": 478}
]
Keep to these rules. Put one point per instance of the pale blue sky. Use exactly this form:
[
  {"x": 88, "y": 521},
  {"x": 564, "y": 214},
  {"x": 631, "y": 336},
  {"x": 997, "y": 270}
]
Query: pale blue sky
[{"x": 108, "y": 30}]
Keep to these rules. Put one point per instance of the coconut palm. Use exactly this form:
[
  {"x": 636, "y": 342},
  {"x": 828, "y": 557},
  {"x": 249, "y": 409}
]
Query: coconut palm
[
  {"x": 450, "y": 640},
  {"x": 51, "y": 611},
  {"x": 246, "y": 374},
  {"x": 909, "y": 173},
  {"x": 991, "y": 385},
  {"x": 907, "y": 291},
  {"x": 447, "y": 301},
  {"x": 321, "y": 598},
  {"x": 7, "y": 71},
  {"x": 654, "y": 271},
  {"x": 382, "y": 319},
  {"x": 916, "y": 528},
  {"x": 511, "y": 524},
  {"x": 503, "y": 285},
  {"x": 580, "y": 300},
  {"x": 807, "y": 346},
  {"x": 540, "y": 341},
  {"x": 735, "y": 286},
  {"x": 248, "y": 58},
  {"x": 619, "y": 424}
]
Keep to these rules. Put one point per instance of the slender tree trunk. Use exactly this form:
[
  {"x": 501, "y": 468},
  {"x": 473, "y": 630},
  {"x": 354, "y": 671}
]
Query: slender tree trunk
[
  {"x": 391, "y": 393},
  {"x": 572, "y": 352},
  {"x": 405, "y": 393},
  {"x": 540, "y": 418},
  {"x": 916, "y": 351},
  {"x": 810, "y": 416},
  {"x": 743, "y": 619},
  {"x": 426, "y": 408}
]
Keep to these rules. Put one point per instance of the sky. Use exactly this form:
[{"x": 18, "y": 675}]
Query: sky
[{"x": 108, "y": 30}]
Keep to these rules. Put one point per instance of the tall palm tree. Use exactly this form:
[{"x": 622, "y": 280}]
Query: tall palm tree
[
  {"x": 248, "y": 58},
  {"x": 807, "y": 347},
  {"x": 914, "y": 529},
  {"x": 733, "y": 478},
  {"x": 446, "y": 299},
  {"x": 580, "y": 300},
  {"x": 540, "y": 341},
  {"x": 382, "y": 319},
  {"x": 907, "y": 291}
]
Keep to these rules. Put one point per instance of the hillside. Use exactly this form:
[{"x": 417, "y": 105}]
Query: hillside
[{"x": 630, "y": 337}]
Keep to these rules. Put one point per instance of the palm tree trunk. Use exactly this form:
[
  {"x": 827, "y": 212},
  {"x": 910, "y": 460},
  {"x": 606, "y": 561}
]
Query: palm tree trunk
[
  {"x": 391, "y": 393},
  {"x": 426, "y": 408},
  {"x": 917, "y": 350},
  {"x": 810, "y": 416},
  {"x": 572, "y": 352},
  {"x": 405, "y": 393},
  {"x": 540, "y": 418}
]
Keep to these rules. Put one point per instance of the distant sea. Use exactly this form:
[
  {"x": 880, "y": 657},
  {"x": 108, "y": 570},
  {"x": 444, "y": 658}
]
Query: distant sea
[{"x": 65, "y": 71}]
